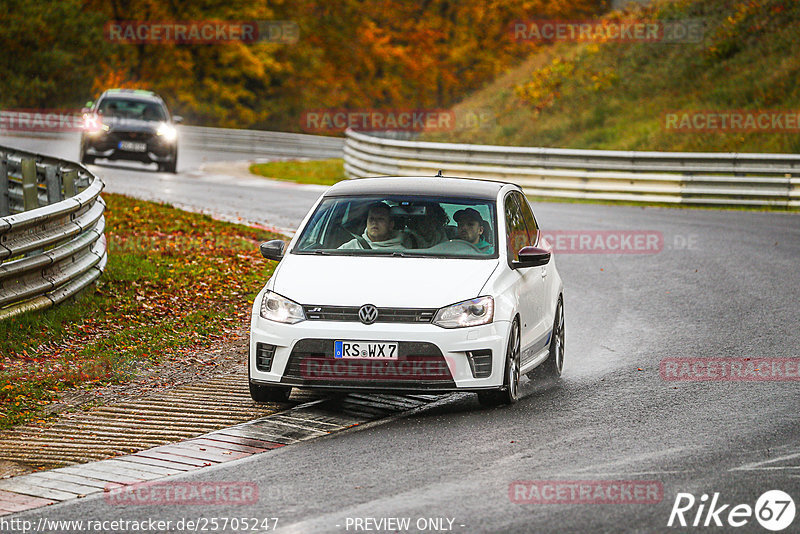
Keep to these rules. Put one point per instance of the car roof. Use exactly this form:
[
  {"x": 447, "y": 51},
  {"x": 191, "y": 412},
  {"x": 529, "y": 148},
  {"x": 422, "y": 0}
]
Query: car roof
[
  {"x": 134, "y": 94},
  {"x": 419, "y": 185}
]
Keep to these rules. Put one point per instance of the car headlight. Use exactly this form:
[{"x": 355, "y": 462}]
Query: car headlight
[
  {"x": 472, "y": 312},
  {"x": 93, "y": 125},
  {"x": 280, "y": 309},
  {"x": 167, "y": 132}
]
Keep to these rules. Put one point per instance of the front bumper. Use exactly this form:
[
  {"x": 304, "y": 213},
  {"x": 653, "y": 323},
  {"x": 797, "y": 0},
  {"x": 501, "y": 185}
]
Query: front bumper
[
  {"x": 430, "y": 358},
  {"x": 107, "y": 146}
]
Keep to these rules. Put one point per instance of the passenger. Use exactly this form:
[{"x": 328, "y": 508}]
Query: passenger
[
  {"x": 471, "y": 228},
  {"x": 150, "y": 114},
  {"x": 379, "y": 233},
  {"x": 429, "y": 230}
]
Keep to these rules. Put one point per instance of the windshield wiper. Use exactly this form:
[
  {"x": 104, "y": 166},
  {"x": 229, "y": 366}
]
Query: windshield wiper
[{"x": 316, "y": 251}]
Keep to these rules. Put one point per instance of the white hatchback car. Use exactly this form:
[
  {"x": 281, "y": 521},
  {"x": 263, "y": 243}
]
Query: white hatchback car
[{"x": 410, "y": 285}]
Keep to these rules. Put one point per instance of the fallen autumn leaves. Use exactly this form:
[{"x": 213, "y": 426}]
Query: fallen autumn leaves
[{"x": 175, "y": 282}]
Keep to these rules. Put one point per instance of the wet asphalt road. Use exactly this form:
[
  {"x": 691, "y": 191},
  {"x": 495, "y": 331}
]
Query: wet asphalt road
[
  {"x": 207, "y": 181},
  {"x": 725, "y": 285}
]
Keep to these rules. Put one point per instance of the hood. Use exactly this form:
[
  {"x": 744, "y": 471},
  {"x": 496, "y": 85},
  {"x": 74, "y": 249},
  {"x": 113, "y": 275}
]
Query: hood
[
  {"x": 382, "y": 281},
  {"x": 117, "y": 124}
]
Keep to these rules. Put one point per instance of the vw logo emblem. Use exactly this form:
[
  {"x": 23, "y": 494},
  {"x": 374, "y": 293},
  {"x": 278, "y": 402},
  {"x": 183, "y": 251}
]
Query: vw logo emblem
[{"x": 368, "y": 313}]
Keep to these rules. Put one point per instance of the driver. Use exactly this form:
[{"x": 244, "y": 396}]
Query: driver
[
  {"x": 471, "y": 227},
  {"x": 379, "y": 233}
]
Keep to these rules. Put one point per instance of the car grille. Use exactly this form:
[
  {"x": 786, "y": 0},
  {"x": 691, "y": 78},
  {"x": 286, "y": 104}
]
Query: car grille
[
  {"x": 385, "y": 315},
  {"x": 420, "y": 366},
  {"x": 131, "y": 136}
]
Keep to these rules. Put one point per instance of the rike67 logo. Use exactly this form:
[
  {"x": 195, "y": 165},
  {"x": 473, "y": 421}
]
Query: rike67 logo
[{"x": 774, "y": 510}]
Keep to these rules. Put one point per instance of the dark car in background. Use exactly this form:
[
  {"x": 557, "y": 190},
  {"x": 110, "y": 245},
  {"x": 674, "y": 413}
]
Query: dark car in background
[{"x": 130, "y": 124}]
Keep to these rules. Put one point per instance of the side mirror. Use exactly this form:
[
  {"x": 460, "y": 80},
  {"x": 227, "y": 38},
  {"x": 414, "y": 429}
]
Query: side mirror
[
  {"x": 177, "y": 119},
  {"x": 532, "y": 257},
  {"x": 272, "y": 250}
]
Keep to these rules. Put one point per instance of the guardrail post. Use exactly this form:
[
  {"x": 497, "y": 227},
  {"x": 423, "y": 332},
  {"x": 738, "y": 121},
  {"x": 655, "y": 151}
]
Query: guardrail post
[
  {"x": 30, "y": 196},
  {"x": 4, "y": 206},
  {"x": 69, "y": 178},
  {"x": 53, "y": 183}
]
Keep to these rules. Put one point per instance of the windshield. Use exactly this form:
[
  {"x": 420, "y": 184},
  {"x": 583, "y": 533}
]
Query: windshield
[
  {"x": 401, "y": 226},
  {"x": 132, "y": 109}
]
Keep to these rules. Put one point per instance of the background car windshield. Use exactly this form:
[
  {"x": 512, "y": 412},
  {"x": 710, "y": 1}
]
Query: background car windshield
[
  {"x": 132, "y": 109},
  {"x": 409, "y": 226}
]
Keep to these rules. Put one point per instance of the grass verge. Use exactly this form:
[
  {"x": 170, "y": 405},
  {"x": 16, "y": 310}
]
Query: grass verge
[
  {"x": 320, "y": 172},
  {"x": 176, "y": 282}
]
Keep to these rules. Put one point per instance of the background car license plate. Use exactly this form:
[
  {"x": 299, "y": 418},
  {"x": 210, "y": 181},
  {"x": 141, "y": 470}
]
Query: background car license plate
[
  {"x": 132, "y": 146},
  {"x": 365, "y": 350}
]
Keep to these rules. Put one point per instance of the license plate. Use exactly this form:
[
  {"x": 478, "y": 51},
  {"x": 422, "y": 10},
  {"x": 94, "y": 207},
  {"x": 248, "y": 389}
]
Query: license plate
[
  {"x": 132, "y": 146},
  {"x": 365, "y": 350}
]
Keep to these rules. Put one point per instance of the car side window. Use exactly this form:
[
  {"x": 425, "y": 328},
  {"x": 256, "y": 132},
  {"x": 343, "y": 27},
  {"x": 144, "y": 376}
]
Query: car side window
[
  {"x": 516, "y": 233},
  {"x": 530, "y": 220}
]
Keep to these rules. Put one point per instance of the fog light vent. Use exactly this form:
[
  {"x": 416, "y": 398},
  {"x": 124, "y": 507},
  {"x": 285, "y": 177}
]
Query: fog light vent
[
  {"x": 264, "y": 355},
  {"x": 480, "y": 363}
]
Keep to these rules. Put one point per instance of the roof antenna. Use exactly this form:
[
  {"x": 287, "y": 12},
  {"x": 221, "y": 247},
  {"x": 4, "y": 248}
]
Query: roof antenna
[{"x": 439, "y": 174}]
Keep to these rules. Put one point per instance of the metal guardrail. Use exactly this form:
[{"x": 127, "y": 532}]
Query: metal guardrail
[
  {"x": 51, "y": 230},
  {"x": 698, "y": 178},
  {"x": 259, "y": 142}
]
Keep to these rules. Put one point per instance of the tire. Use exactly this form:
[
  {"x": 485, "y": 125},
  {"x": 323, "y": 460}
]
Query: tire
[
  {"x": 169, "y": 166},
  {"x": 551, "y": 368},
  {"x": 172, "y": 165},
  {"x": 88, "y": 160},
  {"x": 269, "y": 393},
  {"x": 509, "y": 393}
]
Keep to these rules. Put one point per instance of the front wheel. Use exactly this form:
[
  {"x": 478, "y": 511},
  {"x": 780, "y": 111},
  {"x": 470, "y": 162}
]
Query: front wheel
[
  {"x": 509, "y": 393},
  {"x": 171, "y": 165},
  {"x": 261, "y": 393},
  {"x": 554, "y": 364}
]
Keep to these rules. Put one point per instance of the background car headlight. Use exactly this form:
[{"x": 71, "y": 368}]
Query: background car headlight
[
  {"x": 472, "y": 312},
  {"x": 280, "y": 309},
  {"x": 167, "y": 132},
  {"x": 93, "y": 126}
]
